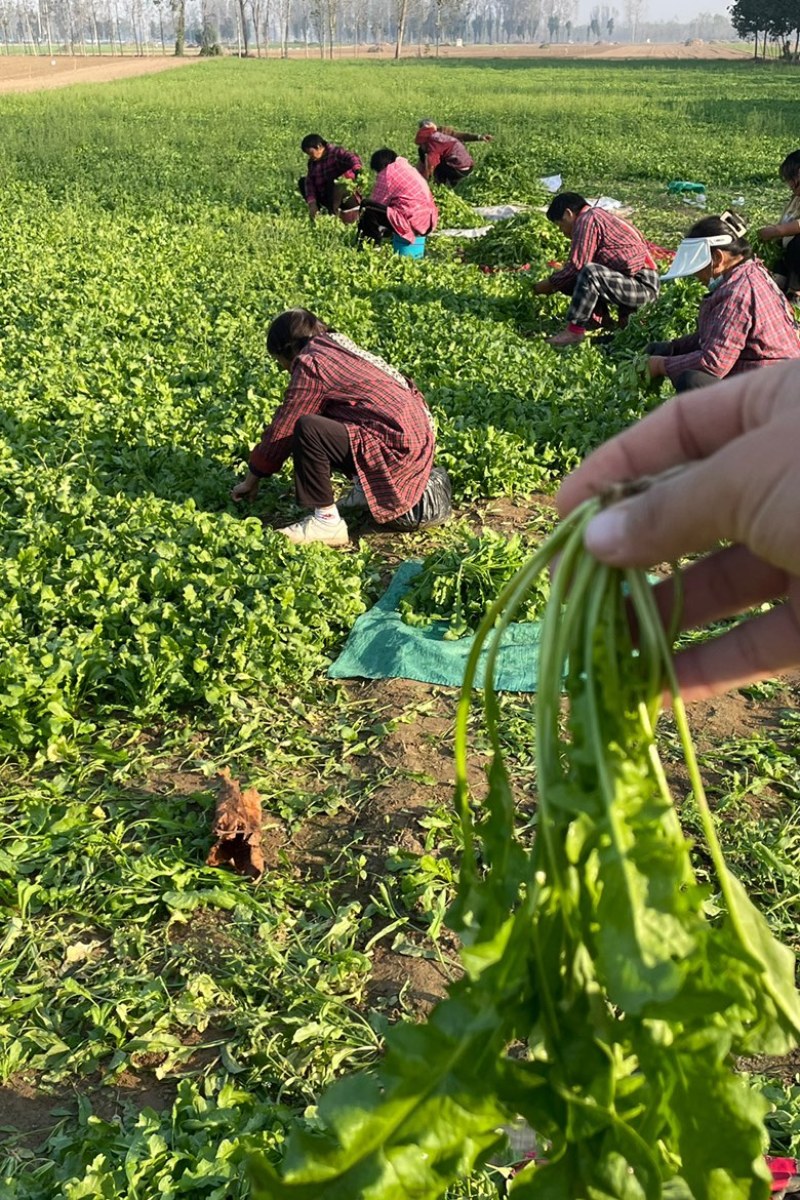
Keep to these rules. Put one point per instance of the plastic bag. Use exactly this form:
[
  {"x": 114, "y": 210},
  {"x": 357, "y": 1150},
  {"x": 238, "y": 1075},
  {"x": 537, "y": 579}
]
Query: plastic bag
[{"x": 434, "y": 506}]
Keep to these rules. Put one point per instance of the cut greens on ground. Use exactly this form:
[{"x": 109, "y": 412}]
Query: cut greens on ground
[
  {"x": 458, "y": 583},
  {"x": 594, "y": 948}
]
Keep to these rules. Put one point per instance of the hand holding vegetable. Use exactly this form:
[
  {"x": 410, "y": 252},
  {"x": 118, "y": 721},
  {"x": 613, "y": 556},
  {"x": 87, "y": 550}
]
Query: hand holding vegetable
[
  {"x": 738, "y": 441},
  {"x": 247, "y": 489},
  {"x": 543, "y": 287},
  {"x": 769, "y": 233},
  {"x": 656, "y": 366}
]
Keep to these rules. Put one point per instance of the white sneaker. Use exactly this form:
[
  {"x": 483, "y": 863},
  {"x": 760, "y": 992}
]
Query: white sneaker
[
  {"x": 355, "y": 498},
  {"x": 312, "y": 529}
]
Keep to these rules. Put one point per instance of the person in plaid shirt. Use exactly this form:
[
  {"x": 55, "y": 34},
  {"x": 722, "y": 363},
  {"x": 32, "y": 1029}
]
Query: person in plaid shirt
[
  {"x": 345, "y": 410},
  {"x": 442, "y": 154},
  {"x": 745, "y": 322},
  {"x": 319, "y": 189},
  {"x": 401, "y": 201},
  {"x": 786, "y": 271},
  {"x": 609, "y": 263}
]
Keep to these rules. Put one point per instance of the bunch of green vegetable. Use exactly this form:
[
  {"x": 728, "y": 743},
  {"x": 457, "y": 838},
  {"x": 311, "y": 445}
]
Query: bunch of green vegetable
[
  {"x": 527, "y": 238},
  {"x": 593, "y": 948},
  {"x": 672, "y": 315},
  {"x": 454, "y": 211},
  {"x": 461, "y": 581}
]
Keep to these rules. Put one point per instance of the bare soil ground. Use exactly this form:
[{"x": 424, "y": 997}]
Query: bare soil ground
[
  {"x": 611, "y": 51},
  {"x": 32, "y": 73}
]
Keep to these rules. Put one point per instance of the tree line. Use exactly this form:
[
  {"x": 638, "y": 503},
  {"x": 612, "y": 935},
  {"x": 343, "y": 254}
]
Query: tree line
[
  {"x": 773, "y": 21},
  {"x": 257, "y": 27}
]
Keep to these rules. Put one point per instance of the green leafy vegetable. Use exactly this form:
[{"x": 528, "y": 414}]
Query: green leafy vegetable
[
  {"x": 460, "y": 582},
  {"x": 593, "y": 948}
]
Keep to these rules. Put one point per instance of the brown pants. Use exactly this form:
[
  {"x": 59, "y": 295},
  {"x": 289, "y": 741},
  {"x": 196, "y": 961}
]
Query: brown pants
[{"x": 319, "y": 447}]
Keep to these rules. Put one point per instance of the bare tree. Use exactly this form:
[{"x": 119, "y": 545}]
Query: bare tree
[
  {"x": 179, "y": 18},
  {"x": 160, "y": 10},
  {"x": 401, "y": 8},
  {"x": 634, "y": 12},
  {"x": 285, "y": 17},
  {"x": 331, "y": 12}
]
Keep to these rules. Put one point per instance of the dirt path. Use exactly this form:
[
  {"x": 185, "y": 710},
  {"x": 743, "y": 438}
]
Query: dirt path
[
  {"x": 609, "y": 51},
  {"x": 33, "y": 73},
  {"x": 26, "y": 73}
]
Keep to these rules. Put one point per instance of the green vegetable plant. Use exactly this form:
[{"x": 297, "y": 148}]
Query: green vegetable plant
[
  {"x": 526, "y": 238},
  {"x": 592, "y": 948},
  {"x": 459, "y": 582}
]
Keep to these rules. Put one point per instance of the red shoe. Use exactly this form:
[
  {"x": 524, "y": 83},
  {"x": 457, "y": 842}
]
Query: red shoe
[{"x": 566, "y": 338}]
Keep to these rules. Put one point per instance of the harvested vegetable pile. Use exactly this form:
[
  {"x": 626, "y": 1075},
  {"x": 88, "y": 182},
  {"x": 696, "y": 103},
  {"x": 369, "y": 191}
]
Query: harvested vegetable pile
[
  {"x": 593, "y": 948},
  {"x": 459, "y": 583},
  {"x": 526, "y": 238},
  {"x": 675, "y": 312},
  {"x": 454, "y": 211}
]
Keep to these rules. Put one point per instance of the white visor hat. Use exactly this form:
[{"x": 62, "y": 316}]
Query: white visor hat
[{"x": 695, "y": 253}]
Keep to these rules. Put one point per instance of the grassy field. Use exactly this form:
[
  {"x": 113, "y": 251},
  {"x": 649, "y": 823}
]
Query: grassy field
[{"x": 158, "y": 1019}]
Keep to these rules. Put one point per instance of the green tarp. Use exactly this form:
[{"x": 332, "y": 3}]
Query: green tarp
[{"x": 381, "y": 646}]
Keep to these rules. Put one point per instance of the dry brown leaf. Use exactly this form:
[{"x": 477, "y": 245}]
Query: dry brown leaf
[{"x": 237, "y": 829}]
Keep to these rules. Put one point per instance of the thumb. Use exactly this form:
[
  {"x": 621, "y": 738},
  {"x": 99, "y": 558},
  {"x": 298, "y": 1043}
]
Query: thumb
[{"x": 683, "y": 514}]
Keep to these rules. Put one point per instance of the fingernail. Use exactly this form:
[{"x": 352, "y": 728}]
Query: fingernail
[{"x": 605, "y": 534}]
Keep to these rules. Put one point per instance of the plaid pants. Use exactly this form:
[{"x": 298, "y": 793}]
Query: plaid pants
[{"x": 597, "y": 286}]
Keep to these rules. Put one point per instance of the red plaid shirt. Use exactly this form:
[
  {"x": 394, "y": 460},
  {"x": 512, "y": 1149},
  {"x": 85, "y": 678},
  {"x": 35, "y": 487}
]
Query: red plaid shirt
[
  {"x": 746, "y": 322},
  {"x": 388, "y": 423},
  {"x": 335, "y": 163},
  {"x": 443, "y": 147},
  {"x": 600, "y": 237}
]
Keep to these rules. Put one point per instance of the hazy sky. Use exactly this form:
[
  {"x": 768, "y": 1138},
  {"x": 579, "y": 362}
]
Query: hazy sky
[{"x": 663, "y": 10}]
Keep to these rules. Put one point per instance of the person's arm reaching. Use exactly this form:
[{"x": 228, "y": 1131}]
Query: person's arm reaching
[
  {"x": 783, "y": 229},
  {"x": 585, "y": 238},
  {"x": 720, "y": 352},
  {"x": 738, "y": 442},
  {"x": 469, "y": 137}
]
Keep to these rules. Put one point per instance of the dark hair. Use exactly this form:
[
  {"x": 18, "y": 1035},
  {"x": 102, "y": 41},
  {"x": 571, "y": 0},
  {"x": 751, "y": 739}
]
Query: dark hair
[
  {"x": 727, "y": 223},
  {"x": 565, "y": 200},
  {"x": 311, "y": 141},
  {"x": 292, "y": 331},
  {"x": 382, "y": 158},
  {"x": 790, "y": 167}
]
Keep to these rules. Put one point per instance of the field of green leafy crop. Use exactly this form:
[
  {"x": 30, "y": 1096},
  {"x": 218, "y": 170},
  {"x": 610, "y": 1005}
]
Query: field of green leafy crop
[{"x": 160, "y": 1020}]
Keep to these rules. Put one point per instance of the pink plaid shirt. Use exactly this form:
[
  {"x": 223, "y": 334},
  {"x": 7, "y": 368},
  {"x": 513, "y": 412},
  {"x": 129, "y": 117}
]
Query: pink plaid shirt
[
  {"x": 410, "y": 207},
  {"x": 746, "y": 322},
  {"x": 600, "y": 237}
]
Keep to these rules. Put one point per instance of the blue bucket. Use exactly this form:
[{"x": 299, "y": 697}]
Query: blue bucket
[{"x": 414, "y": 249}]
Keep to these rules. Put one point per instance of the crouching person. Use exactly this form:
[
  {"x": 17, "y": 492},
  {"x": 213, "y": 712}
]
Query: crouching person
[
  {"x": 319, "y": 187},
  {"x": 744, "y": 322},
  {"x": 345, "y": 411},
  {"x": 609, "y": 263},
  {"x": 401, "y": 202}
]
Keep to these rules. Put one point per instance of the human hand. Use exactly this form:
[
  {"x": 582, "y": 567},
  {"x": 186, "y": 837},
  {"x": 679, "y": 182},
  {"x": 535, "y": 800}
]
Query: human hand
[
  {"x": 312, "y": 210},
  {"x": 487, "y": 137},
  {"x": 738, "y": 441},
  {"x": 656, "y": 366},
  {"x": 543, "y": 287},
  {"x": 247, "y": 489},
  {"x": 769, "y": 232}
]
